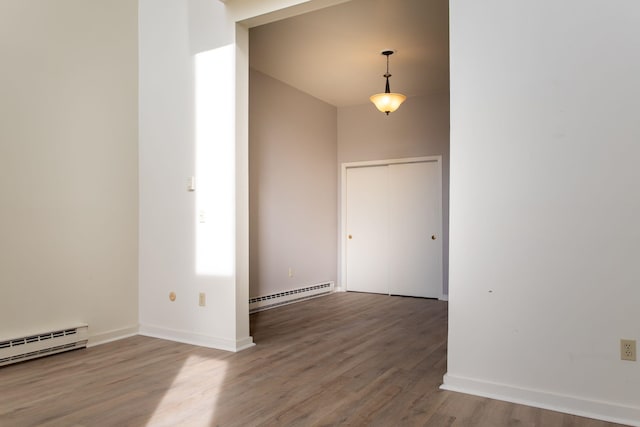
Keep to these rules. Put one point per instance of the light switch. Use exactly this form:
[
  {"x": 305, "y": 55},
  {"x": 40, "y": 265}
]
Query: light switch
[{"x": 191, "y": 183}]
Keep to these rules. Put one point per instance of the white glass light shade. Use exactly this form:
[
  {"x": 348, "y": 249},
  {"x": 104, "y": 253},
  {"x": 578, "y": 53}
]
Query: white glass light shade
[{"x": 387, "y": 102}]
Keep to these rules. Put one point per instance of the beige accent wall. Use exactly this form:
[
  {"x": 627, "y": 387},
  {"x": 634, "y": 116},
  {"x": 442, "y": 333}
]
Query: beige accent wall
[
  {"x": 68, "y": 166},
  {"x": 420, "y": 127},
  {"x": 293, "y": 181}
]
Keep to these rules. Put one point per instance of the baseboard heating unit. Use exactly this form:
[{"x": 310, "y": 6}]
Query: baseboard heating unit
[
  {"x": 42, "y": 344},
  {"x": 287, "y": 297}
]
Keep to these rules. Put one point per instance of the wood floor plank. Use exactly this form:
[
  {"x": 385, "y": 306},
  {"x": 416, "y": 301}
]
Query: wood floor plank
[{"x": 345, "y": 359}]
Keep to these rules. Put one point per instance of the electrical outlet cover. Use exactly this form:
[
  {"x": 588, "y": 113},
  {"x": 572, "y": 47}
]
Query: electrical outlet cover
[{"x": 628, "y": 350}]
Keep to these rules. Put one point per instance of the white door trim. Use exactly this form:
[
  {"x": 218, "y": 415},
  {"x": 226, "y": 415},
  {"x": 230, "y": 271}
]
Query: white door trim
[{"x": 342, "y": 237}]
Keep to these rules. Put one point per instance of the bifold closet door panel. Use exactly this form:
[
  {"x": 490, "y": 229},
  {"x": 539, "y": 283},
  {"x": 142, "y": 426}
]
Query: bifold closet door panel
[
  {"x": 367, "y": 229},
  {"x": 415, "y": 224}
]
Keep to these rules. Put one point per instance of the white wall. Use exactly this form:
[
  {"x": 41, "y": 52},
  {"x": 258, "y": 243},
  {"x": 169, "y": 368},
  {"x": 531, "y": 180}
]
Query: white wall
[
  {"x": 544, "y": 203},
  {"x": 188, "y": 128},
  {"x": 68, "y": 167},
  {"x": 292, "y": 155},
  {"x": 186, "y": 108},
  {"x": 420, "y": 127}
]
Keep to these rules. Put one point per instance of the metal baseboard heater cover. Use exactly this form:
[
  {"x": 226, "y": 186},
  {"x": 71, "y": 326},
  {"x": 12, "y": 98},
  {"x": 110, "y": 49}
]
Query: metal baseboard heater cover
[
  {"x": 287, "y": 297},
  {"x": 43, "y": 344}
]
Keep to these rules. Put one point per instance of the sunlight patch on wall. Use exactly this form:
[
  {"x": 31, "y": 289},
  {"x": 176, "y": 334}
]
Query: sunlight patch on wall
[{"x": 215, "y": 161}]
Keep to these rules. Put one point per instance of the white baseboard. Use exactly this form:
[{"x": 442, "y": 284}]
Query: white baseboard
[
  {"x": 606, "y": 411},
  {"x": 193, "y": 338},
  {"x": 113, "y": 335},
  {"x": 244, "y": 344},
  {"x": 444, "y": 297}
]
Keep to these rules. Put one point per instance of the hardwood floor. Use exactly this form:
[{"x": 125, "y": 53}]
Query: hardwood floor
[{"x": 345, "y": 359}]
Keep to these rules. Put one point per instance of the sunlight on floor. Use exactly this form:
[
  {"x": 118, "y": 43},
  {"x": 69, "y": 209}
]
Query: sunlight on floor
[{"x": 191, "y": 399}]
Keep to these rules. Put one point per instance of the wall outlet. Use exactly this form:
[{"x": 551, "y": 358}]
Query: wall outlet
[
  {"x": 628, "y": 350},
  {"x": 202, "y": 299},
  {"x": 291, "y": 272}
]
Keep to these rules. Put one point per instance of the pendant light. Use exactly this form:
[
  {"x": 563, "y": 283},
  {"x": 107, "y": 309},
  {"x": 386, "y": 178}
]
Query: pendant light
[{"x": 387, "y": 102}]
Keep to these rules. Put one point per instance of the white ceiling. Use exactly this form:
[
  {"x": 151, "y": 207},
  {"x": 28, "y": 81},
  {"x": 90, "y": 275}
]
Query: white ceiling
[{"x": 334, "y": 53}]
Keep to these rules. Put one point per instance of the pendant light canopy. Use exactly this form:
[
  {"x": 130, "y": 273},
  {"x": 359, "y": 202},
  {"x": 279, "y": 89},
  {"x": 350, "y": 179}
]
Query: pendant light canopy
[{"x": 387, "y": 102}]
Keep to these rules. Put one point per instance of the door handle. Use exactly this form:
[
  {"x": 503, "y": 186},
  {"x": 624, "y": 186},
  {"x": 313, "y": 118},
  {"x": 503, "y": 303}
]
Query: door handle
[
  {"x": 350, "y": 237},
  {"x": 433, "y": 237}
]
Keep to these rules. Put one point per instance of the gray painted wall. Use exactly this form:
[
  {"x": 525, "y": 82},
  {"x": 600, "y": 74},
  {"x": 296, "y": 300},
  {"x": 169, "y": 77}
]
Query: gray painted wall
[
  {"x": 420, "y": 127},
  {"x": 293, "y": 181},
  {"x": 296, "y": 146}
]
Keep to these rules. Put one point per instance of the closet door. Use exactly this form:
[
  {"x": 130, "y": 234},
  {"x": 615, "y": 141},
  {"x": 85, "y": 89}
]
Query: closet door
[
  {"x": 393, "y": 229},
  {"x": 415, "y": 224},
  {"x": 367, "y": 239}
]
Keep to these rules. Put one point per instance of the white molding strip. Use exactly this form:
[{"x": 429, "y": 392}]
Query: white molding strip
[
  {"x": 113, "y": 335},
  {"x": 606, "y": 411},
  {"x": 193, "y": 338}
]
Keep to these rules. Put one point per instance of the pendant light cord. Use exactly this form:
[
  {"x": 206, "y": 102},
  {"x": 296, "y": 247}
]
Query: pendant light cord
[{"x": 387, "y": 75}]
